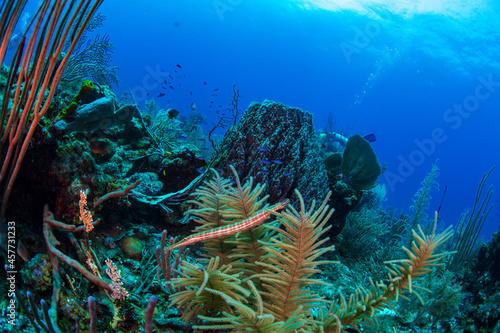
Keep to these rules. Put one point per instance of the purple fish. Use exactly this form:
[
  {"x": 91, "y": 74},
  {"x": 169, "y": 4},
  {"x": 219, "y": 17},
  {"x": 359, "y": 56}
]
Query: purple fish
[
  {"x": 277, "y": 161},
  {"x": 182, "y": 137},
  {"x": 265, "y": 161},
  {"x": 200, "y": 170},
  {"x": 263, "y": 149},
  {"x": 287, "y": 174}
]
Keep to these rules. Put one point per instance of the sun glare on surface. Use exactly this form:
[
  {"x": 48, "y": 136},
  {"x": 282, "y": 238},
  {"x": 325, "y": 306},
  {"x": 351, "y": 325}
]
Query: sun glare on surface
[{"x": 403, "y": 7}]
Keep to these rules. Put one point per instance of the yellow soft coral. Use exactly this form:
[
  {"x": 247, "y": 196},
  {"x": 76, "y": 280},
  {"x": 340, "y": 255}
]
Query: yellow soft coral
[{"x": 281, "y": 279}]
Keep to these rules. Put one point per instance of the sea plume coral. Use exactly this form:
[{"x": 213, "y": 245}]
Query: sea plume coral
[
  {"x": 280, "y": 273},
  {"x": 292, "y": 259},
  {"x": 365, "y": 303},
  {"x": 202, "y": 288}
]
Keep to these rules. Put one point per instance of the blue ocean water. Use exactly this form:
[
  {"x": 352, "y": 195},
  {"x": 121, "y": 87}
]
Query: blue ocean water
[{"x": 424, "y": 76}]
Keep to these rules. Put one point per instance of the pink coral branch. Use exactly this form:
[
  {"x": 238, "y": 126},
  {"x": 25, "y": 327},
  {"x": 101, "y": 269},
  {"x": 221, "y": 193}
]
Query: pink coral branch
[
  {"x": 66, "y": 227},
  {"x": 116, "y": 194},
  {"x": 52, "y": 242}
]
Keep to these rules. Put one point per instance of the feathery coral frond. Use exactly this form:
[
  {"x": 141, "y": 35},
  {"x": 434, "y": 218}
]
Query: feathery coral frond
[
  {"x": 249, "y": 320},
  {"x": 195, "y": 298},
  {"x": 209, "y": 214},
  {"x": 292, "y": 259},
  {"x": 243, "y": 202},
  {"x": 364, "y": 303}
]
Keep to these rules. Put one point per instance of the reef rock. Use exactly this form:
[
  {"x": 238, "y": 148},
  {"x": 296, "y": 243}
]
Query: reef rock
[{"x": 99, "y": 114}]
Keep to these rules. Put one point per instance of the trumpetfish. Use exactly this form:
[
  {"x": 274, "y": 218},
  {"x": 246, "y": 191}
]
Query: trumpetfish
[{"x": 231, "y": 229}]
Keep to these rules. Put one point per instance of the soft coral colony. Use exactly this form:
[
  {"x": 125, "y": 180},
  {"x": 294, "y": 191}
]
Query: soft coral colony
[
  {"x": 251, "y": 279},
  {"x": 256, "y": 279},
  {"x": 261, "y": 279},
  {"x": 260, "y": 240}
]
